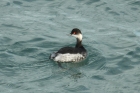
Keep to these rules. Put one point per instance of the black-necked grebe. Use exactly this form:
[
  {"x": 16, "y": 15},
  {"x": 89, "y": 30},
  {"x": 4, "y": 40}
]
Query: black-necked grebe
[{"x": 71, "y": 54}]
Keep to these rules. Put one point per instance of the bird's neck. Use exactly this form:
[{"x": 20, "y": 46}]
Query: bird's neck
[{"x": 79, "y": 43}]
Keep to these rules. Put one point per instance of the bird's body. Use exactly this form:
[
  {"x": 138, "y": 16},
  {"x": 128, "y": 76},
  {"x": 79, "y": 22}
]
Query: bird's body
[{"x": 71, "y": 54}]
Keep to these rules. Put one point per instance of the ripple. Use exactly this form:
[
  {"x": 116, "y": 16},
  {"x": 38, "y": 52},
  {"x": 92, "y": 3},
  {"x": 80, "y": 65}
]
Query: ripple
[
  {"x": 12, "y": 26},
  {"x": 24, "y": 52},
  {"x": 79, "y": 0},
  {"x": 125, "y": 64},
  {"x": 7, "y": 4},
  {"x": 4, "y": 55},
  {"x": 17, "y": 2},
  {"x": 101, "y": 4},
  {"x": 42, "y": 56},
  {"x": 113, "y": 71},
  {"x": 109, "y": 10},
  {"x": 134, "y": 56},
  {"x": 17, "y": 45},
  {"x": 95, "y": 59},
  {"x": 46, "y": 43},
  {"x": 7, "y": 65},
  {"x": 36, "y": 39},
  {"x": 135, "y": 9},
  {"x": 5, "y": 40},
  {"x": 80, "y": 88},
  {"x": 49, "y": 0},
  {"x": 135, "y": 3},
  {"x": 92, "y": 1},
  {"x": 114, "y": 13},
  {"x": 98, "y": 77},
  {"x": 29, "y": 0},
  {"x": 29, "y": 50}
]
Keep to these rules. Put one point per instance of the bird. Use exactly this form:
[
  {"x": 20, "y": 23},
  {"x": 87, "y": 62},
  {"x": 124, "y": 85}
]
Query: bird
[{"x": 71, "y": 54}]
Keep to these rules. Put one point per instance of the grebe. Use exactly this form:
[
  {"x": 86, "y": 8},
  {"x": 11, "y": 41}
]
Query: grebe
[{"x": 71, "y": 54}]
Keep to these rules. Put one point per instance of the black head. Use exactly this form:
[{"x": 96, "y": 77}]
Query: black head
[{"x": 75, "y": 31}]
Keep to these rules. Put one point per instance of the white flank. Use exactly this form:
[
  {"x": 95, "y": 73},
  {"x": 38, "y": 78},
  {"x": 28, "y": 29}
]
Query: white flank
[{"x": 68, "y": 57}]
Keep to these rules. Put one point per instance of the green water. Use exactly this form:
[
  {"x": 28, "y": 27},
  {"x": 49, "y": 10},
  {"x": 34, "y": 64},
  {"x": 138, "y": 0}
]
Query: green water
[{"x": 30, "y": 30}]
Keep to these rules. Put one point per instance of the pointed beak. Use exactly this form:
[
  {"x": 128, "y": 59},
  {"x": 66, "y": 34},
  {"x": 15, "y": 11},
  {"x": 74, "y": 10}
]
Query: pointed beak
[{"x": 69, "y": 34}]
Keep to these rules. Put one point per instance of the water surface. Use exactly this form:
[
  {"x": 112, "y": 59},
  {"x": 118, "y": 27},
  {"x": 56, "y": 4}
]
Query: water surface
[{"x": 32, "y": 29}]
